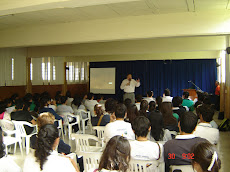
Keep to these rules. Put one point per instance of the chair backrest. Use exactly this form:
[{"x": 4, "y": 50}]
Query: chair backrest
[
  {"x": 19, "y": 126},
  {"x": 183, "y": 168},
  {"x": 82, "y": 141},
  {"x": 143, "y": 166},
  {"x": 6, "y": 125},
  {"x": 83, "y": 113},
  {"x": 91, "y": 160},
  {"x": 65, "y": 115},
  {"x": 59, "y": 122},
  {"x": 100, "y": 131}
]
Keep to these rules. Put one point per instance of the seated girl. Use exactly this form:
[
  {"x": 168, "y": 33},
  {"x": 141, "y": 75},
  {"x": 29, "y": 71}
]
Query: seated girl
[{"x": 100, "y": 119}]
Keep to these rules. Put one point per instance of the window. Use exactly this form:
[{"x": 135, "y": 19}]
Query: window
[
  {"x": 46, "y": 69},
  {"x": 75, "y": 71},
  {"x": 31, "y": 70},
  {"x": 12, "y": 69}
]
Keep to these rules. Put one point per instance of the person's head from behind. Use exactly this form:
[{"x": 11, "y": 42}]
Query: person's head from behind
[
  {"x": 205, "y": 157},
  {"x": 132, "y": 112},
  {"x": 44, "y": 119},
  {"x": 116, "y": 155},
  {"x": 166, "y": 108},
  {"x": 158, "y": 100},
  {"x": 98, "y": 110},
  {"x": 188, "y": 123},
  {"x": 201, "y": 96},
  {"x": 185, "y": 95},
  {"x": 90, "y": 96},
  {"x": 207, "y": 100},
  {"x": 110, "y": 105},
  {"x": 217, "y": 83},
  {"x": 149, "y": 93},
  {"x": 77, "y": 101},
  {"x": 157, "y": 127},
  {"x": 129, "y": 77},
  {"x": 47, "y": 141},
  {"x": 2, "y": 107},
  {"x": 205, "y": 113},
  {"x": 58, "y": 99},
  {"x": 58, "y": 93},
  {"x": 19, "y": 104},
  {"x": 127, "y": 102},
  {"x": 138, "y": 98},
  {"x": 63, "y": 100},
  {"x": 68, "y": 94},
  {"x": 100, "y": 97},
  {"x": 152, "y": 106},
  {"x": 141, "y": 126},
  {"x": 44, "y": 102},
  {"x": 2, "y": 147},
  {"x": 28, "y": 97},
  {"x": 120, "y": 111},
  {"x": 14, "y": 97},
  {"x": 167, "y": 92},
  {"x": 8, "y": 102},
  {"x": 177, "y": 101},
  {"x": 144, "y": 106}
]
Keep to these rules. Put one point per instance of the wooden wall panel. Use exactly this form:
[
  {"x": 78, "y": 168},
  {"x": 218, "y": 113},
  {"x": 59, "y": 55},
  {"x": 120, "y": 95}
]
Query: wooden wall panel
[
  {"x": 51, "y": 89},
  {"x": 8, "y": 91},
  {"x": 79, "y": 89}
]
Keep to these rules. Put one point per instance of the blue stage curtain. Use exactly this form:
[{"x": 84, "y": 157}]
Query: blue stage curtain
[{"x": 156, "y": 75}]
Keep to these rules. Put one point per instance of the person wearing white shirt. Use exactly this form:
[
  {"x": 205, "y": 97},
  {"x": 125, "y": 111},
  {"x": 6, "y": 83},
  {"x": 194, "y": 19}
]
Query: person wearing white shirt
[
  {"x": 138, "y": 101},
  {"x": 7, "y": 164},
  {"x": 142, "y": 148},
  {"x": 149, "y": 97},
  {"x": 45, "y": 157},
  {"x": 128, "y": 85},
  {"x": 119, "y": 127},
  {"x": 90, "y": 103},
  {"x": 63, "y": 107},
  {"x": 166, "y": 96},
  {"x": 204, "y": 129}
]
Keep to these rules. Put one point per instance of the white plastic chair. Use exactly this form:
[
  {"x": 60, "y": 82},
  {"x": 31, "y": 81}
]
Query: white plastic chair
[
  {"x": 143, "y": 166},
  {"x": 91, "y": 160},
  {"x": 60, "y": 126},
  {"x": 82, "y": 143},
  {"x": 100, "y": 131},
  {"x": 9, "y": 139},
  {"x": 82, "y": 112},
  {"x": 183, "y": 168},
  {"x": 21, "y": 132}
]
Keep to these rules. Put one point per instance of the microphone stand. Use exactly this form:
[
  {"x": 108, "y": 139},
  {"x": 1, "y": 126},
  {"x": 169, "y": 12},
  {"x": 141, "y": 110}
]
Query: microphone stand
[{"x": 195, "y": 86}]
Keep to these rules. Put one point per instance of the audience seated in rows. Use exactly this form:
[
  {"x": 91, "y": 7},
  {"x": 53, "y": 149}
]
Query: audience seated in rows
[
  {"x": 45, "y": 157},
  {"x": 149, "y": 97},
  {"x": 158, "y": 102},
  {"x": 183, "y": 143},
  {"x": 177, "y": 106},
  {"x": 132, "y": 113},
  {"x": 205, "y": 157},
  {"x": 7, "y": 163},
  {"x": 142, "y": 148},
  {"x": 144, "y": 107},
  {"x": 204, "y": 129},
  {"x": 119, "y": 127},
  {"x": 77, "y": 104},
  {"x": 101, "y": 119},
  {"x": 170, "y": 119},
  {"x": 138, "y": 101},
  {"x": 110, "y": 106},
  {"x": 63, "y": 108},
  {"x": 90, "y": 103},
  {"x": 166, "y": 96},
  {"x": 22, "y": 114},
  {"x": 116, "y": 155},
  {"x": 10, "y": 107},
  {"x": 187, "y": 102},
  {"x": 69, "y": 98}
]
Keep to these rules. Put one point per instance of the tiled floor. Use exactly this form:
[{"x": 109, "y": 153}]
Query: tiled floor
[{"x": 223, "y": 147}]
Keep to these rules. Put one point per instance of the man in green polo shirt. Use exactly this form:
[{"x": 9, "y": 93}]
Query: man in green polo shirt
[{"x": 187, "y": 102}]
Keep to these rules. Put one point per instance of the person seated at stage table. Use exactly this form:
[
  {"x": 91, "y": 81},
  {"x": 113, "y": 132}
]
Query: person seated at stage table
[
  {"x": 187, "y": 102},
  {"x": 204, "y": 129},
  {"x": 45, "y": 157},
  {"x": 177, "y": 106},
  {"x": 166, "y": 96},
  {"x": 138, "y": 101},
  {"x": 101, "y": 119},
  {"x": 7, "y": 163},
  {"x": 119, "y": 127},
  {"x": 176, "y": 149},
  {"x": 144, "y": 108},
  {"x": 205, "y": 157},
  {"x": 23, "y": 115},
  {"x": 132, "y": 113},
  {"x": 170, "y": 119},
  {"x": 90, "y": 103},
  {"x": 142, "y": 148},
  {"x": 64, "y": 107},
  {"x": 158, "y": 132},
  {"x": 149, "y": 97},
  {"x": 44, "y": 108}
]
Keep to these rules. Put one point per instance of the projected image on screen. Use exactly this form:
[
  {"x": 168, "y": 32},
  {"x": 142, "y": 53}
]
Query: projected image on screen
[{"x": 102, "y": 80}]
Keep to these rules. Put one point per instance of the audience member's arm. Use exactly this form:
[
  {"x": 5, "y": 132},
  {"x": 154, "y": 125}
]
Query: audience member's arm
[
  {"x": 73, "y": 163},
  {"x": 33, "y": 122}
]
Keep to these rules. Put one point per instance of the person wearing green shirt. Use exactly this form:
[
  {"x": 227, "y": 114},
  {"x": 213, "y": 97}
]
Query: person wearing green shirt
[{"x": 187, "y": 102}]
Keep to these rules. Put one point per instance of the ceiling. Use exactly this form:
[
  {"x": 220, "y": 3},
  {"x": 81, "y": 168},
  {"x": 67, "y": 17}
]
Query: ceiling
[{"x": 22, "y": 16}]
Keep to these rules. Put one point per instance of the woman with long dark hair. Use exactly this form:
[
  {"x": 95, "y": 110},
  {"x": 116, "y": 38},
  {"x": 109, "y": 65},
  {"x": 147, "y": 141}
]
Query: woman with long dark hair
[
  {"x": 205, "y": 157},
  {"x": 46, "y": 158},
  {"x": 116, "y": 155},
  {"x": 132, "y": 113},
  {"x": 144, "y": 107},
  {"x": 6, "y": 163}
]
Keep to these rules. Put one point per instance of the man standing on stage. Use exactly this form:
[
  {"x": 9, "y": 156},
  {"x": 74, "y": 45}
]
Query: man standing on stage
[
  {"x": 217, "y": 94},
  {"x": 128, "y": 85}
]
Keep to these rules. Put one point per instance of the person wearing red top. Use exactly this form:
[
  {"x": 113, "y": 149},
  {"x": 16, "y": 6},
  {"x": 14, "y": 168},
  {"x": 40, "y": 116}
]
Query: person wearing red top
[{"x": 217, "y": 94}]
